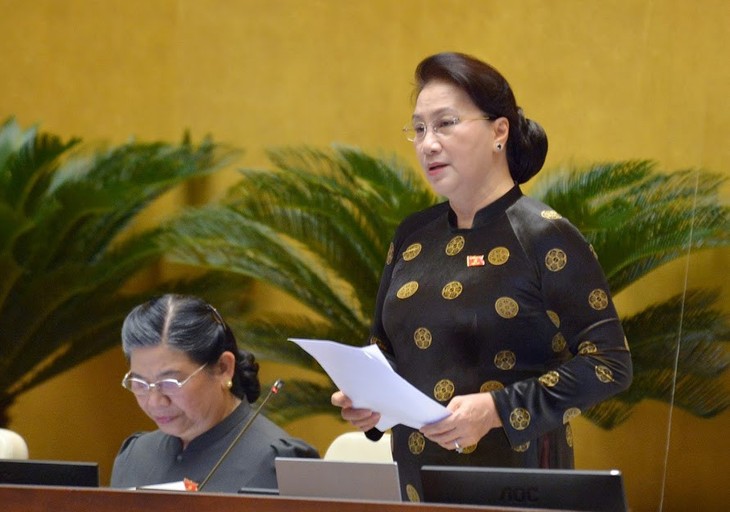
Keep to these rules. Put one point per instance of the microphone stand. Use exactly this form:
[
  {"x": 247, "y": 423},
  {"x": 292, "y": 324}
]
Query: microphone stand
[{"x": 273, "y": 391}]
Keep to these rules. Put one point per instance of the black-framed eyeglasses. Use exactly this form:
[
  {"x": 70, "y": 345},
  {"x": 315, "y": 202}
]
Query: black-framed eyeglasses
[
  {"x": 443, "y": 126},
  {"x": 167, "y": 387}
]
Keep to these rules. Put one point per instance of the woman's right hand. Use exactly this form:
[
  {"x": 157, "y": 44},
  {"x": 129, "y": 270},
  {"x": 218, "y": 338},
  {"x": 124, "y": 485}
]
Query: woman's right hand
[{"x": 362, "y": 419}]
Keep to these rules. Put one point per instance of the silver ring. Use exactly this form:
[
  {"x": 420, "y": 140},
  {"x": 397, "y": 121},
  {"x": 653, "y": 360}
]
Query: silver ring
[{"x": 459, "y": 449}]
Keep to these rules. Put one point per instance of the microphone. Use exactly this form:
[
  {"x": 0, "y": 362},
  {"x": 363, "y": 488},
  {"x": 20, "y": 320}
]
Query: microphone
[{"x": 273, "y": 391}]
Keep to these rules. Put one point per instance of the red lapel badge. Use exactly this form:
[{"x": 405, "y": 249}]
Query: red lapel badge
[{"x": 475, "y": 260}]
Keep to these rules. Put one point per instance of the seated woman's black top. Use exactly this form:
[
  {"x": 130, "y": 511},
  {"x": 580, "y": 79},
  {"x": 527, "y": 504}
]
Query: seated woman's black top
[{"x": 155, "y": 457}]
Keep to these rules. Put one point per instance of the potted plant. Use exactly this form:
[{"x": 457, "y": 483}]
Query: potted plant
[{"x": 70, "y": 256}]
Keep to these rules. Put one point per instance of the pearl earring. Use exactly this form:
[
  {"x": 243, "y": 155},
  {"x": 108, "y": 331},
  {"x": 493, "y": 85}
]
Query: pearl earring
[{"x": 229, "y": 384}]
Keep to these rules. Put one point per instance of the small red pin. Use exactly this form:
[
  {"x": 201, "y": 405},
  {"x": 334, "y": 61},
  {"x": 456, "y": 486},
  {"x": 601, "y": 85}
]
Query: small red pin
[{"x": 475, "y": 260}]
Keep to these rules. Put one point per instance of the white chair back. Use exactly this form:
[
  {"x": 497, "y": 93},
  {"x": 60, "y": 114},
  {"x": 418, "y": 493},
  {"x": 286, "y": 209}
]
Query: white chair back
[
  {"x": 12, "y": 445},
  {"x": 355, "y": 447}
]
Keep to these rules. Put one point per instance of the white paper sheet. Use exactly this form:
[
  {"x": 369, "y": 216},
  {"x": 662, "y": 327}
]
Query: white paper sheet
[
  {"x": 364, "y": 375},
  {"x": 169, "y": 486}
]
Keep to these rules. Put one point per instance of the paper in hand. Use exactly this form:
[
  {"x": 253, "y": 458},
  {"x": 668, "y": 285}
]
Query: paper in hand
[{"x": 365, "y": 376}]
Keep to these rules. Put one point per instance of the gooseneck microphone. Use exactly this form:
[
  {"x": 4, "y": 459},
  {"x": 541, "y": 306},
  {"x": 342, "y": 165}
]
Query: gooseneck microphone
[{"x": 273, "y": 391}]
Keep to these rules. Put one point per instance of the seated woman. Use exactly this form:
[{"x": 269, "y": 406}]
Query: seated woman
[{"x": 190, "y": 377}]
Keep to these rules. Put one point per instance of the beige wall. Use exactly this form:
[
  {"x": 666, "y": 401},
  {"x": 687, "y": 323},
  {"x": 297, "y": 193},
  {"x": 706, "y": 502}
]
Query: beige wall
[{"x": 609, "y": 80}]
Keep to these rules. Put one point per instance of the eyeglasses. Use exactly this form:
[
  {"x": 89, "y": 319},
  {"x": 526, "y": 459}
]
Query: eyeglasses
[
  {"x": 444, "y": 126},
  {"x": 167, "y": 387}
]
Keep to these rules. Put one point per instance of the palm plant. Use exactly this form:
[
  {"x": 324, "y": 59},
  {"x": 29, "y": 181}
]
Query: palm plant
[
  {"x": 67, "y": 253},
  {"x": 318, "y": 226}
]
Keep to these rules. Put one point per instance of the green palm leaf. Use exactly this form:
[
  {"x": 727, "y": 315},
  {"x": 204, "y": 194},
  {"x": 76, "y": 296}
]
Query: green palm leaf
[
  {"x": 317, "y": 227},
  {"x": 68, "y": 257},
  {"x": 653, "y": 335},
  {"x": 301, "y": 398},
  {"x": 265, "y": 336}
]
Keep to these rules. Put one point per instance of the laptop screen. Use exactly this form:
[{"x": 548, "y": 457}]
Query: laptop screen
[
  {"x": 49, "y": 472},
  {"x": 565, "y": 489},
  {"x": 319, "y": 478}
]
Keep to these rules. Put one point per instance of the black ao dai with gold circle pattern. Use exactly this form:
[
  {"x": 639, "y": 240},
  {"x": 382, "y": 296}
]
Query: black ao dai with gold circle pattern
[{"x": 516, "y": 306}]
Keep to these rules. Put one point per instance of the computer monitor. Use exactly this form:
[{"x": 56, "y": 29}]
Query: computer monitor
[
  {"x": 319, "y": 478},
  {"x": 49, "y": 472},
  {"x": 564, "y": 489}
]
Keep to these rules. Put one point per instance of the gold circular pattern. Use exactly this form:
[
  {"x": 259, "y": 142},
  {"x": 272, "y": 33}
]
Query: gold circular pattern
[
  {"x": 374, "y": 340},
  {"x": 506, "y": 307},
  {"x": 571, "y": 413},
  {"x": 498, "y": 256},
  {"x": 455, "y": 245},
  {"x": 412, "y": 493},
  {"x": 452, "y": 290},
  {"x": 554, "y": 318},
  {"x": 505, "y": 360},
  {"x": 555, "y": 260},
  {"x": 569, "y": 435},
  {"x": 422, "y": 337},
  {"x": 407, "y": 290},
  {"x": 519, "y": 418},
  {"x": 558, "y": 344},
  {"x": 550, "y": 379},
  {"x": 491, "y": 385},
  {"x": 443, "y": 390},
  {"x": 416, "y": 443},
  {"x": 468, "y": 449},
  {"x": 412, "y": 251},
  {"x": 587, "y": 347},
  {"x": 550, "y": 214},
  {"x": 389, "y": 257},
  {"x": 522, "y": 447},
  {"x": 604, "y": 374},
  {"x": 598, "y": 299}
]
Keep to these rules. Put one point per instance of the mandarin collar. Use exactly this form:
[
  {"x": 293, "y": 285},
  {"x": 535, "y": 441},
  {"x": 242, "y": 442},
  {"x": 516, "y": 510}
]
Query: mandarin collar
[
  {"x": 222, "y": 429},
  {"x": 488, "y": 213}
]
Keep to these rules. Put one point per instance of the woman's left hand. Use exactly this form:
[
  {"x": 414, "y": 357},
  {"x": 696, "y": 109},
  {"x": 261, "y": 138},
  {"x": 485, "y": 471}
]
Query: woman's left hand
[{"x": 472, "y": 416}]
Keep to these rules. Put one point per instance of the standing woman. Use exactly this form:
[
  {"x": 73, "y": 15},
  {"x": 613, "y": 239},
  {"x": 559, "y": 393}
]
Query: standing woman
[
  {"x": 189, "y": 376},
  {"x": 490, "y": 302}
]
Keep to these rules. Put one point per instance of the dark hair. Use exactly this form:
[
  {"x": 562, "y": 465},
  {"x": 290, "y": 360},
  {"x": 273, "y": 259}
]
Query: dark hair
[
  {"x": 193, "y": 326},
  {"x": 527, "y": 143}
]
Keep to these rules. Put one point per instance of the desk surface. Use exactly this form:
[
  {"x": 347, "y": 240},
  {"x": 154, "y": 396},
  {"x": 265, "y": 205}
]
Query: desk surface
[{"x": 22, "y": 498}]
